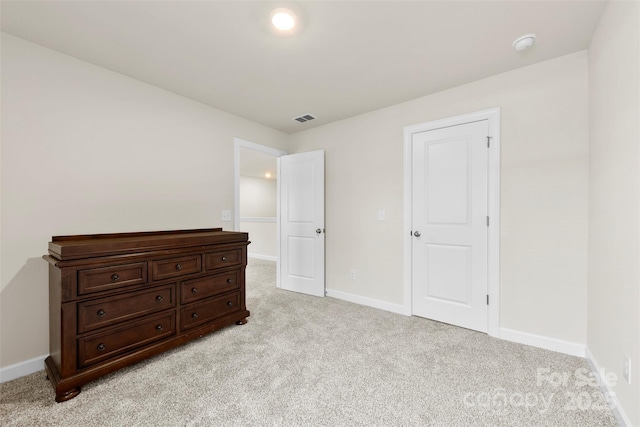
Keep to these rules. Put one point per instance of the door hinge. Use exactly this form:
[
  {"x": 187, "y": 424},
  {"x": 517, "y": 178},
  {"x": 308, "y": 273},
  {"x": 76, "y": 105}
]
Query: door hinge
[
  {"x": 488, "y": 141},
  {"x": 487, "y": 299},
  {"x": 487, "y": 220}
]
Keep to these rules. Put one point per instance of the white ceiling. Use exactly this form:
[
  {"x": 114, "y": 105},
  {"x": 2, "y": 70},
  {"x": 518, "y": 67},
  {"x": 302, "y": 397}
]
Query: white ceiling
[{"x": 348, "y": 57}]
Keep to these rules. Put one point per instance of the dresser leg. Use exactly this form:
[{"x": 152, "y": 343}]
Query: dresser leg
[
  {"x": 241, "y": 322},
  {"x": 67, "y": 395}
]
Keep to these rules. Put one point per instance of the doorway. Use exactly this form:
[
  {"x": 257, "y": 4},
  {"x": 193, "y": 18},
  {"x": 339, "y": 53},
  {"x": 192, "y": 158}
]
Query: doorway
[
  {"x": 298, "y": 221},
  {"x": 452, "y": 218},
  {"x": 256, "y": 198}
]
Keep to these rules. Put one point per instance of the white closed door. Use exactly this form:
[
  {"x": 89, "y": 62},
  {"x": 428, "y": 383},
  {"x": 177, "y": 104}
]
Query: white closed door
[
  {"x": 449, "y": 225},
  {"x": 301, "y": 182}
]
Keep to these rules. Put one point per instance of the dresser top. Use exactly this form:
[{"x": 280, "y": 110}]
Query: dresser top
[{"x": 94, "y": 245}]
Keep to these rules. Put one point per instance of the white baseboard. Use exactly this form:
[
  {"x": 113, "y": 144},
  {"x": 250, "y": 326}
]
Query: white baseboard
[
  {"x": 553, "y": 344},
  {"x": 264, "y": 257},
  {"x": 597, "y": 369},
  {"x": 21, "y": 369},
  {"x": 369, "y": 302}
]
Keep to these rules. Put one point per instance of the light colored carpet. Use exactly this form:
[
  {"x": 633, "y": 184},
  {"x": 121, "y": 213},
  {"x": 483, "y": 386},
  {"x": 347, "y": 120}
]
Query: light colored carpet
[{"x": 306, "y": 361}]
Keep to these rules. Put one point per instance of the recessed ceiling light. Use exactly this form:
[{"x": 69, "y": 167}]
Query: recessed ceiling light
[
  {"x": 283, "y": 19},
  {"x": 524, "y": 42}
]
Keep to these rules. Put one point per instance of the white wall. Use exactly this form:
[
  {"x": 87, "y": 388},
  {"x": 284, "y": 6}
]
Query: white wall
[
  {"x": 258, "y": 199},
  {"x": 544, "y": 193},
  {"x": 614, "y": 204},
  {"x": 86, "y": 150}
]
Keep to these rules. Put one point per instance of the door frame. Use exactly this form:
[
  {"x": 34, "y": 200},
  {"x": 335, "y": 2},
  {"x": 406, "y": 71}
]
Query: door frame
[
  {"x": 239, "y": 143},
  {"x": 493, "y": 186}
]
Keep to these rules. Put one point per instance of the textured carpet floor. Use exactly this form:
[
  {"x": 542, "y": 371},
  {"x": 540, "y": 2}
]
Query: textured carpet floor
[{"x": 305, "y": 361}]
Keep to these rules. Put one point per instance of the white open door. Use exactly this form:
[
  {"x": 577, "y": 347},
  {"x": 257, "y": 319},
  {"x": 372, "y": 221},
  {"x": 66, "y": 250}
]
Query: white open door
[{"x": 301, "y": 185}]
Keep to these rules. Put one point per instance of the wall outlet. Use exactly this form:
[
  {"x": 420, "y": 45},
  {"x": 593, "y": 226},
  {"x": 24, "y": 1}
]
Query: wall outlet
[
  {"x": 626, "y": 370},
  {"x": 382, "y": 215},
  {"x": 226, "y": 216},
  {"x": 353, "y": 274}
]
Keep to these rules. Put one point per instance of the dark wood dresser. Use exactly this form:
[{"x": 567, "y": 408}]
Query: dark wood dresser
[{"x": 116, "y": 299}]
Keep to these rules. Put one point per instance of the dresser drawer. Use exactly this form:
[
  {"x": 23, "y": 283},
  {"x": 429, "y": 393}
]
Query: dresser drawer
[
  {"x": 174, "y": 267},
  {"x": 107, "y": 311},
  {"x": 205, "y": 287},
  {"x": 213, "y": 308},
  {"x": 106, "y": 278},
  {"x": 95, "y": 348},
  {"x": 228, "y": 258}
]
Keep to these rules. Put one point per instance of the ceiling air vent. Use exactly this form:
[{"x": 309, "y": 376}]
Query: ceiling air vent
[{"x": 305, "y": 118}]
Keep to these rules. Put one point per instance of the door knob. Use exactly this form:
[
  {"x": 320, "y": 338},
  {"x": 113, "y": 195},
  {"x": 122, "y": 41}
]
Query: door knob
[
  {"x": 318, "y": 230},
  {"x": 417, "y": 233}
]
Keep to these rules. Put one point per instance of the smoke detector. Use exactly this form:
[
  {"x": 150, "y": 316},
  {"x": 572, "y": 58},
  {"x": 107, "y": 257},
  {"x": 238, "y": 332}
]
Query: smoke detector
[{"x": 524, "y": 42}]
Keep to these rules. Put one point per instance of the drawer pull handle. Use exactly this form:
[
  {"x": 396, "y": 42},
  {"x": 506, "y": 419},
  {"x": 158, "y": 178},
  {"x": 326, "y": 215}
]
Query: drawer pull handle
[
  {"x": 158, "y": 327},
  {"x": 194, "y": 315},
  {"x": 101, "y": 347},
  {"x": 159, "y": 298},
  {"x": 178, "y": 267},
  {"x": 229, "y": 304},
  {"x": 114, "y": 277},
  {"x": 229, "y": 280},
  {"x": 101, "y": 312},
  {"x": 224, "y": 258},
  {"x": 194, "y": 290}
]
